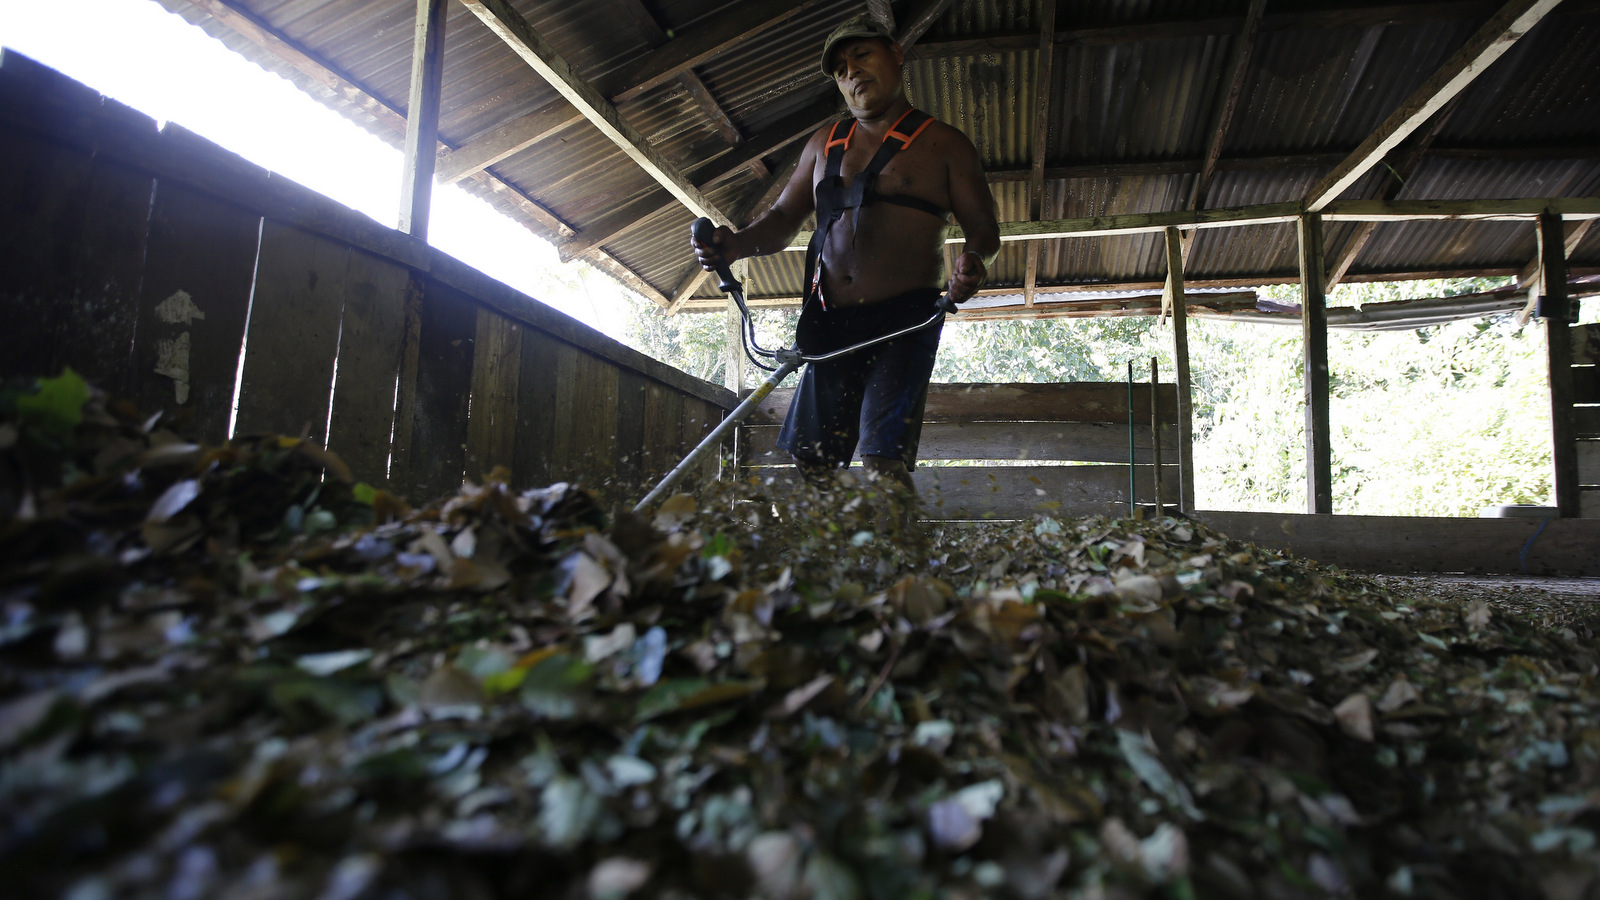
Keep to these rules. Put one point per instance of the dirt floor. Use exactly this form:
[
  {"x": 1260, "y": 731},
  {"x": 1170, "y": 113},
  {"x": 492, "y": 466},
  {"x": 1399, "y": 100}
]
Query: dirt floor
[{"x": 1557, "y": 601}]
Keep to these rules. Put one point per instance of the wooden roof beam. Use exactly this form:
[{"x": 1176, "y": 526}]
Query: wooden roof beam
[
  {"x": 695, "y": 47},
  {"x": 1141, "y": 168},
  {"x": 1402, "y": 164},
  {"x": 882, "y": 13},
  {"x": 1354, "y": 15},
  {"x": 484, "y": 150},
  {"x": 390, "y": 120},
  {"x": 1041, "y": 139},
  {"x": 696, "y": 89},
  {"x": 1278, "y": 213},
  {"x": 1228, "y": 100},
  {"x": 511, "y": 27},
  {"x": 787, "y": 130},
  {"x": 918, "y": 20},
  {"x": 1490, "y": 42}
]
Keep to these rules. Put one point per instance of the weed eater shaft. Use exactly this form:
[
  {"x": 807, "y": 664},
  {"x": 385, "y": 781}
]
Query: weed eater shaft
[{"x": 786, "y": 364}]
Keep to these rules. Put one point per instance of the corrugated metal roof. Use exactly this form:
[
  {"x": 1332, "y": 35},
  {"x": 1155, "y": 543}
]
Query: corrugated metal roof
[{"x": 1135, "y": 83}]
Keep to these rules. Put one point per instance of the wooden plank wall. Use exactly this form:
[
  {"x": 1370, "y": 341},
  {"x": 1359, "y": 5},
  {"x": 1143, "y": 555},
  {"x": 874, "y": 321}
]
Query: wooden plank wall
[
  {"x": 191, "y": 281},
  {"x": 1586, "y": 415},
  {"x": 1011, "y": 441}
]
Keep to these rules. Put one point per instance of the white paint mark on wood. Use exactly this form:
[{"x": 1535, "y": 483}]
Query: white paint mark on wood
[
  {"x": 179, "y": 309},
  {"x": 172, "y": 361}
]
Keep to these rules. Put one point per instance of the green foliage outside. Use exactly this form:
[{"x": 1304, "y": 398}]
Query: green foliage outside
[{"x": 1439, "y": 421}]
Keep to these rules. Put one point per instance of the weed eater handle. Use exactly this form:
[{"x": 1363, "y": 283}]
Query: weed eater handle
[{"x": 703, "y": 231}]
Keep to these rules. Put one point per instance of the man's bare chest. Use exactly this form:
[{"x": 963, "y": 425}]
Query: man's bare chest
[{"x": 915, "y": 171}]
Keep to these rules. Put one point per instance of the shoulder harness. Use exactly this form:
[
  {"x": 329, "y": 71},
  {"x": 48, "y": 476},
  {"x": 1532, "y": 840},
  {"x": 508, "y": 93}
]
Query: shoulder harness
[{"x": 833, "y": 197}]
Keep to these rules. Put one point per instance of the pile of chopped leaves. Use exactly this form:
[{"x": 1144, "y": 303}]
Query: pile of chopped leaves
[{"x": 229, "y": 671}]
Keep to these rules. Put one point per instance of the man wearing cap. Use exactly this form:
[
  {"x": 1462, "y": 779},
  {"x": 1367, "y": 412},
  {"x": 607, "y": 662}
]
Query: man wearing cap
[{"x": 882, "y": 184}]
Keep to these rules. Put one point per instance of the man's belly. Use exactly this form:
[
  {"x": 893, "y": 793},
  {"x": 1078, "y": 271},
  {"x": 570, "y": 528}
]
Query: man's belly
[{"x": 898, "y": 253}]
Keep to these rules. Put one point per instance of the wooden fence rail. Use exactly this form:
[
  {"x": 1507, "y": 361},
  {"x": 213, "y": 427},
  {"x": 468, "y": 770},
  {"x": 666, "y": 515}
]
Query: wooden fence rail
[
  {"x": 182, "y": 277},
  {"x": 1016, "y": 436}
]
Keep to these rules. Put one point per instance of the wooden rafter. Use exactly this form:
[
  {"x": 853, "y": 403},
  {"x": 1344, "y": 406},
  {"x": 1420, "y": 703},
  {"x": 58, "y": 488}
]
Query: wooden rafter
[
  {"x": 681, "y": 54},
  {"x": 1273, "y": 213},
  {"x": 696, "y": 89},
  {"x": 782, "y": 133},
  {"x": 918, "y": 20},
  {"x": 1490, "y": 42},
  {"x": 484, "y": 150},
  {"x": 882, "y": 13},
  {"x": 1041, "y": 139},
  {"x": 1148, "y": 167},
  {"x": 511, "y": 27},
  {"x": 1228, "y": 100},
  {"x": 1402, "y": 164},
  {"x": 1356, "y": 14},
  {"x": 391, "y": 121}
]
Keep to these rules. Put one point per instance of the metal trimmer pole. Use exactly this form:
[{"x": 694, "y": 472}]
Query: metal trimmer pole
[{"x": 787, "y": 362}]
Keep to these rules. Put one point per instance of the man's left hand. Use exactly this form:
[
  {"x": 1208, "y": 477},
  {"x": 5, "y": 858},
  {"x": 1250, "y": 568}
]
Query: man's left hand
[{"x": 969, "y": 275}]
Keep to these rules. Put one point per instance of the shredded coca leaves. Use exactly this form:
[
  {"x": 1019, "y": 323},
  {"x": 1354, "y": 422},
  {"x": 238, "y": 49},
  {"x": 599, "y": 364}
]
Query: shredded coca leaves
[{"x": 230, "y": 671}]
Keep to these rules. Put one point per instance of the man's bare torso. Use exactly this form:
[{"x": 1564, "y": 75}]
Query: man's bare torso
[{"x": 883, "y": 250}]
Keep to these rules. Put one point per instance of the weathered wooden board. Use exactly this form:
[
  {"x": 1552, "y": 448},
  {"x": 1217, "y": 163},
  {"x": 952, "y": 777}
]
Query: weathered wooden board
[
  {"x": 97, "y": 325},
  {"x": 293, "y": 337},
  {"x": 496, "y": 371},
  {"x": 663, "y": 430},
  {"x": 1067, "y": 402},
  {"x": 44, "y": 195},
  {"x": 1586, "y": 421},
  {"x": 586, "y": 417},
  {"x": 199, "y": 268},
  {"x": 436, "y": 455},
  {"x": 1586, "y": 345},
  {"x": 536, "y": 410},
  {"x": 1020, "y": 492},
  {"x": 1585, "y": 384},
  {"x": 632, "y": 393},
  {"x": 1076, "y": 441},
  {"x": 371, "y": 345},
  {"x": 1403, "y": 544},
  {"x": 1589, "y": 463},
  {"x": 699, "y": 417}
]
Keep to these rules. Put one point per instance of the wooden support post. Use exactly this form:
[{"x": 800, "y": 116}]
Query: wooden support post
[
  {"x": 1155, "y": 433},
  {"x": 1172, "y": 296},
  {"x": 1556, "y": 309},
  {"x": 1314, "y": 330},
  {"x": 422, "y": 118},
  {"x": 1041, "y": 141}
]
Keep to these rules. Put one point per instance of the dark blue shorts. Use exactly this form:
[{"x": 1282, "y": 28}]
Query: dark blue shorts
[{"x": 873, "y": 398}]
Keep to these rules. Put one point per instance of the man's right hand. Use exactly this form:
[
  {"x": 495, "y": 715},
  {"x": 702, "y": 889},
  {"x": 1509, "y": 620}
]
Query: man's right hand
[{"x": 720, "y": 252}]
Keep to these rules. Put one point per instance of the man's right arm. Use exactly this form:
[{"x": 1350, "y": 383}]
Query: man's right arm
[{"x": 773, "y": 229}]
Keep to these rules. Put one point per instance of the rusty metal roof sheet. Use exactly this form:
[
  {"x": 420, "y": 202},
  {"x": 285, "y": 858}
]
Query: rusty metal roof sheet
[{"x": 1133, "y": 99}]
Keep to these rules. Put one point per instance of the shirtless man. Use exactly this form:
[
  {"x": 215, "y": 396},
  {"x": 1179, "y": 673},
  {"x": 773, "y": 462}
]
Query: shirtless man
[{"x": 877, "y": 268}]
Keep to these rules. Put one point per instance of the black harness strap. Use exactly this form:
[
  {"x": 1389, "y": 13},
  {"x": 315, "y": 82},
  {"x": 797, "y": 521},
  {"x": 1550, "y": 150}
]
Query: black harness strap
[{"x": 834, "y": 198}]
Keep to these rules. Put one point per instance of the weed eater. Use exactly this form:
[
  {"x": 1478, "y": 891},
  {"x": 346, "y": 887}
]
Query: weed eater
[{"x": 787, "y": 359}]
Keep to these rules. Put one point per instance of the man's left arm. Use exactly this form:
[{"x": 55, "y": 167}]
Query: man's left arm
[{"x": 974, "y": 207}]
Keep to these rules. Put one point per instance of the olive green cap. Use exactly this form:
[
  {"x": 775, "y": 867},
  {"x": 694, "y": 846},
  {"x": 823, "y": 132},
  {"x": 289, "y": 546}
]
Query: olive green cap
[{"x": 862, "y": 26}]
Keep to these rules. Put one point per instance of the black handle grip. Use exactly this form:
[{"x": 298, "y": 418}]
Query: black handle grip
[{"x": 703, "y": 230}]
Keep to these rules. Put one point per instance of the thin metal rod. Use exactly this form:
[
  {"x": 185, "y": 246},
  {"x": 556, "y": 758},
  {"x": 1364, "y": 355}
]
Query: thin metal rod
[
  {"x": 1131, "y": 498},
  {"x": 712, "y": 440},
  {"x": 1155, "y": 429}
]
